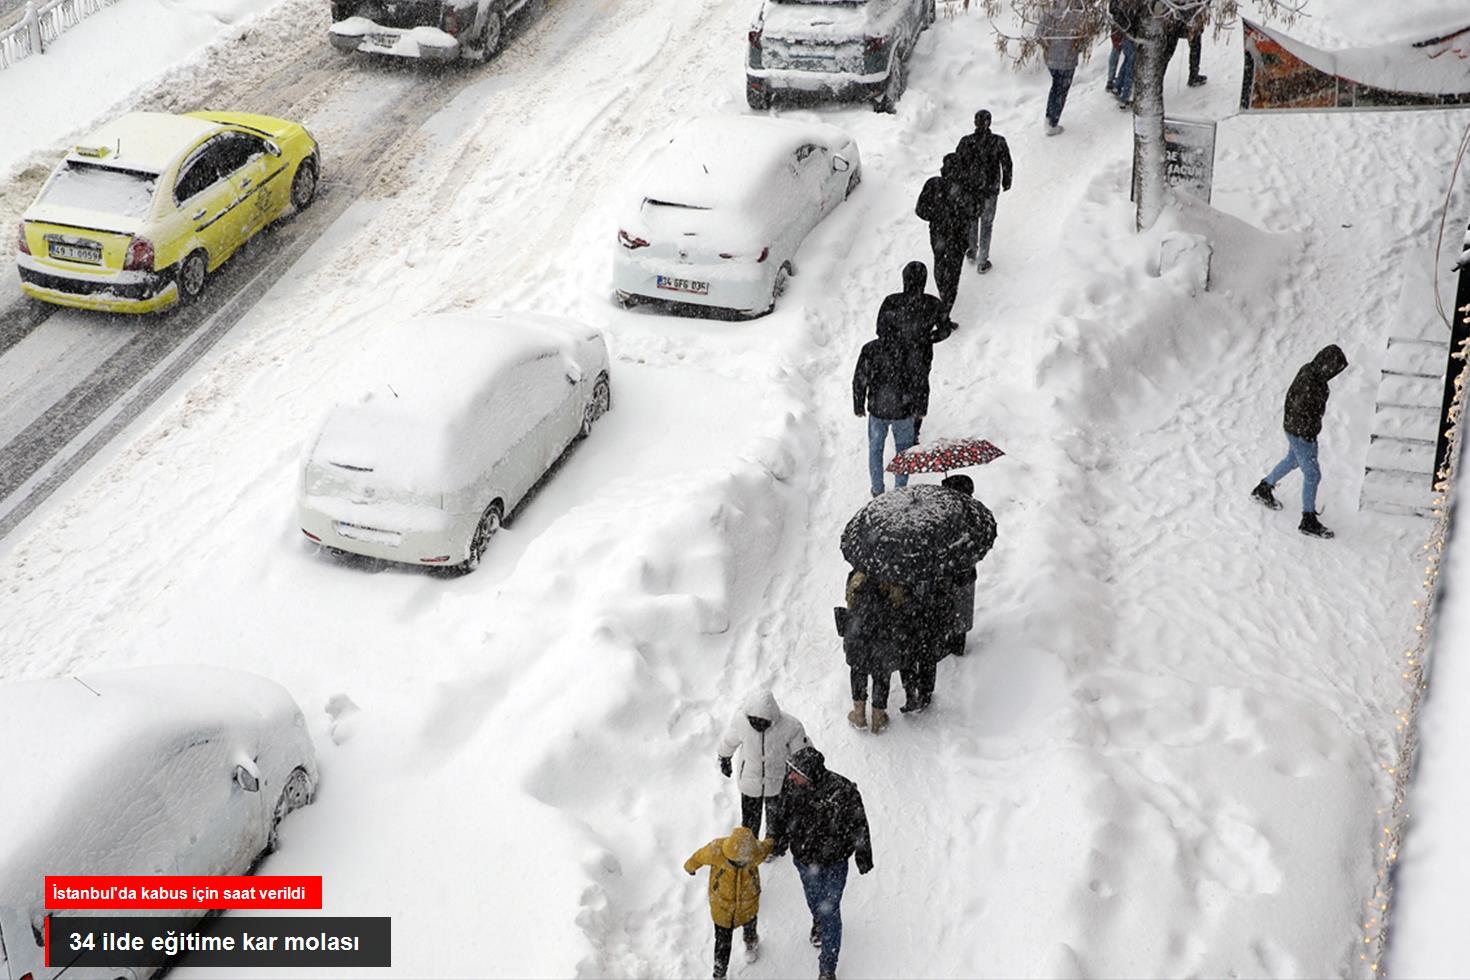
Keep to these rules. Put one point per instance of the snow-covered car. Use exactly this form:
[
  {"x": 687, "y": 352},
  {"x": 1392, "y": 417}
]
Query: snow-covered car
[
  {"x": 846, "y": 49},
  {"x": 717, "y": 214},
  {"x": 456, "y": 418},
  {"x": 434, "y": 30},
  {"x": 181, "y": 770},
  {"x": 136, "y": 216}
]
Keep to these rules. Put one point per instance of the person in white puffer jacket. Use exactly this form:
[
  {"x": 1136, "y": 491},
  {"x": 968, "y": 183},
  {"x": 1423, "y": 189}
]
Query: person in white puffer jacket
[{"x": 766, "y": 738}]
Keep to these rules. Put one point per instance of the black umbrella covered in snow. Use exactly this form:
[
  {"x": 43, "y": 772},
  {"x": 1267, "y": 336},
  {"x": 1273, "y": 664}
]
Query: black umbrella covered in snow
[{"x": 918, "y": 533}]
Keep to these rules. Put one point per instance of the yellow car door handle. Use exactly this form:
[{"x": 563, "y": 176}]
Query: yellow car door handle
[
  {"x": 245, "y": 183},
  {"x": 199, "y": 215}
]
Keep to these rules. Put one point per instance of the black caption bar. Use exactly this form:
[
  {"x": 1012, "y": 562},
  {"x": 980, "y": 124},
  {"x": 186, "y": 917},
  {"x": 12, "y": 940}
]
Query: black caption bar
[{"x": 335, "y": 941}]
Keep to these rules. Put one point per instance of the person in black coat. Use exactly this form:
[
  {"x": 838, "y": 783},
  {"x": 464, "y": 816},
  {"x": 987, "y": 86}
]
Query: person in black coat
[
  {"x": 825, "y": 825},
  {"x": 946, "y": 203},
  {"x": 962, "y": 586},
  {"x": 873, "y": 635},
  {"x": 890, "y": 385},
  {"x": 916, "y": 316},
  {"x": 1306, "y": 403},
  {"x": 927, "y": 617},
  {"x": 985, "y": 162}
]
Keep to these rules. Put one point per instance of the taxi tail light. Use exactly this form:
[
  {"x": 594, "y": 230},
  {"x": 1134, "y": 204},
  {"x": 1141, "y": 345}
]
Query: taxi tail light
[
  {"x": 24, "y": 248},
  {"x": 631, "y": 241},
  {"x": 140, "y": 256},
  {"x": 755, "y": 40},
  {"x": 451, "y": 21},
  {"x": 875, "y": 45},
  {"x": 436, "y": 560},
  {"x": 310, "y": 535}
]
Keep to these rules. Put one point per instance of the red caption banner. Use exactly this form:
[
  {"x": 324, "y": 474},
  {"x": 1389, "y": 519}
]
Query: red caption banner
[{"x": 183, "y": 892}]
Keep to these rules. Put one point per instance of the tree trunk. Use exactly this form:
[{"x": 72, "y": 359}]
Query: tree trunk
[{"x": 1148, "y": 122}]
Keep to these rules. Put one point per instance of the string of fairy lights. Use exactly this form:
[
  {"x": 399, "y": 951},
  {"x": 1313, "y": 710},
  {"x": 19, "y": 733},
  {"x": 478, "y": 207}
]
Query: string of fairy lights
[{"x": 1395, "y": 817}]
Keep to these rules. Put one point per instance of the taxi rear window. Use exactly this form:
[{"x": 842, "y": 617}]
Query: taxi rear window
[{"x": 106, "y": 189}]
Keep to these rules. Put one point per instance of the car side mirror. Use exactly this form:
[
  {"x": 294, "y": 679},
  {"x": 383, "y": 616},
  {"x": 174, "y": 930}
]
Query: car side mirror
[
  {"x": 273, "y": 148},
  {"x": 248, "y": 780},
  {"x": 840, "y": 164}
]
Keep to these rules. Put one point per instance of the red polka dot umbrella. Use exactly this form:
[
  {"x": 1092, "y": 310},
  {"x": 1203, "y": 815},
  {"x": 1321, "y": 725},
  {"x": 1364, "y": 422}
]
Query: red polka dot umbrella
[{"x": 944, "y": 455}]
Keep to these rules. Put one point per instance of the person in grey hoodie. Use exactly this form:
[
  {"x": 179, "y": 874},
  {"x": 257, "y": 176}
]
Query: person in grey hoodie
[
  {"x": 766, "y": 737},
  {"x": 1059, "y": 30}
]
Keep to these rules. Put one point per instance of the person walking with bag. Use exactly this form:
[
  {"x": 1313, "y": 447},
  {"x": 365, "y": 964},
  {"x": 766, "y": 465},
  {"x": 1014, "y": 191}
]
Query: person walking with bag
[
  {"x": 872, "y": 642},
  {"x": 734, "y": 890},
  {"x": 827, "y": 826},
  {"x": 1306, "y": 403},
  {"x": 766, "y": 737}
]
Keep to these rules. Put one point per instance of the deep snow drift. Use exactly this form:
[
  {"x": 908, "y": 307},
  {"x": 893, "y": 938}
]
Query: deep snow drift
[{"x": 1162, "y": 753}]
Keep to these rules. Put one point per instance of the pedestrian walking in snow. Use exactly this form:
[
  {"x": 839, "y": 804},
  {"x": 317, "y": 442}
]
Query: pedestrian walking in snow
[
  {"x": 961, "y": 586},
  {"x": 926, "y": 620},
  {"x": 918, "y": 318},
  {"x": 873, "y": 636},
  {"x": 766, "y": 737},
  {"x": 1306, "y": 402},
  {"x": 946, "y": 204},
  {"x": 985, "y": 162},
  {"x": 734, "y": 890},
  {"x": 1060, "y": 32},
  {"x": 1194, "y": 30},
  {"x": 1125, "y": 35},
  {"x": 826, "y": 826},
  {"x": 890, "y": 385}
]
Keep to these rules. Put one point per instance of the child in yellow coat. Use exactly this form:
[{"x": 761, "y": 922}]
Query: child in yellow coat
[{"x": 734, "y": 889}]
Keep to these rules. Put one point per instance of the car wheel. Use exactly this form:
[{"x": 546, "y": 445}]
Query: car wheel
[
  {"x": 893, "y": 91},
  {"x": 757, "y": 95},
  {"x": 303, "y": 185},
  {"x": 494, "y": 33},
  {"x": 191, "y": 276},
  {"x": 855, "y": 178},
  {"x": 597, "y": 405},
  {"x": 489, "y": 523},
  {"x": 294, "y": 795}
]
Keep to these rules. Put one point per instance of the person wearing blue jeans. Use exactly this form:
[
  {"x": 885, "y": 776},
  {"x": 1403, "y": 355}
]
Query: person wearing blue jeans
[
  {"x": 1306, "y": 403},
  {"x": 1124, "y": 85},
  {"x": 903, "y": 438},
  {"x": 890, "y": 385},
  {"x": 825, "y": 826},
  {"x": 1059, "y": 29}
]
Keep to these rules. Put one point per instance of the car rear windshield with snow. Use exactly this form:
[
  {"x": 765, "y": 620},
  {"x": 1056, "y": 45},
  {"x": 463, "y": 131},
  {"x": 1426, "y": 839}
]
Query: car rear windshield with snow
[{"x": 83, "y": 185}]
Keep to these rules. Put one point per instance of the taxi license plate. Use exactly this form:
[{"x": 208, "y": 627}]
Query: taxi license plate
[
  {"x": 677, "y": 285},
  {"x": 383, "y": 40},
  {"x": 74, "y": 253}
]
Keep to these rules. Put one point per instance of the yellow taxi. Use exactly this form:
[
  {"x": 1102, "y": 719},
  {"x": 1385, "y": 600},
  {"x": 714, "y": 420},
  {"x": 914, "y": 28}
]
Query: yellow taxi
[{"x": 137, "y": 216}]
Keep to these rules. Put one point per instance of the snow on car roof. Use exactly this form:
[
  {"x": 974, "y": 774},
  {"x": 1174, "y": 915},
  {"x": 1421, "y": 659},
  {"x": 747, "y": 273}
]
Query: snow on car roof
[
  {"x": 423, "y": 379},
  {"x": 144, "y": 141},
  {"x": 85, "y": 763},
  {"x": 722, "y": 161}
]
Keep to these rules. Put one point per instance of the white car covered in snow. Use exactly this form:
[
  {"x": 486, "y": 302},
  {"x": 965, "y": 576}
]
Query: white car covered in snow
[
  {"x": 458, "y": 416},
  {"x": 717, "y": 214},
  {"x": 434, "y": 30},
  {"x": 180, "y": 770},
  {"x": 836, "y": 48}
]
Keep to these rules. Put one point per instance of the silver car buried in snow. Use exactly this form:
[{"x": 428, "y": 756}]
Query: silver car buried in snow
[
  {"x": 847, "y": 49},
  {"x": 717, "y": 214},
  {"x": 455, "y": 419}
]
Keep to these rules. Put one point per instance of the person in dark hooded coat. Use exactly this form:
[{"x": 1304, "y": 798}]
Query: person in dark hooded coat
[
  {"x": 827, "y": 825},
  {"x": 1306, "y": 403},
  {"x": 890, "y": 385},
  {"x": 946, "y": 203},
  {"x": 915, "y": 315},
  {"x": 985, "y": 160}
]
